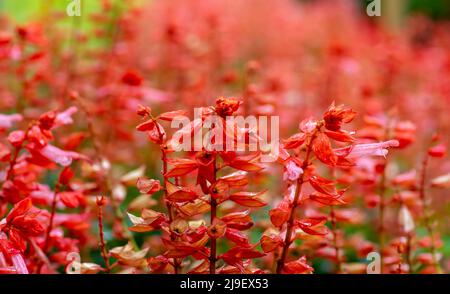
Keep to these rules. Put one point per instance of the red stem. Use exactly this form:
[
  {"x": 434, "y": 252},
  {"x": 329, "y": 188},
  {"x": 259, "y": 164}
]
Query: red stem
[
  {"x": 176, "y": 263},
  {"x": 427, "y": 220},
  {"x": 381, "y": 229},
  {"x": 335, "y": 239},
  {"x": 52, "y": 216},
  {"x": 102, "y": 235},
  {"x": 213, "y": 254},
  {"x": 298, "y": 190}
]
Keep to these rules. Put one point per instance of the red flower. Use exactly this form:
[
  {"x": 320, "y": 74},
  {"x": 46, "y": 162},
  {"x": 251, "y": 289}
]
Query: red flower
[
  {"x": 438, "y": 150},
  {"x": 132, "y": 78},
  {"x": 226, "y": 106},
  {"x": 6, "y": 121},
  {"x": 335, "y": 116},
  {"x": 322, "y": 149},
  {"x": 21, "y": 223}
]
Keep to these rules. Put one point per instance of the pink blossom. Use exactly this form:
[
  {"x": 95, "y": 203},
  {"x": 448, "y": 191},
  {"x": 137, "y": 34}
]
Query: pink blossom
[
  {"x": 6, "y": 120},
  {"x": 371, "y": 149},
  {"x": 152, "y": 95},
  {"x": 308, "y": 125},
  {"x": 292, "y": 171},
  {"x": 7, "y": 250},
  {"x": 60, "y": 156},
  {"x": 65, "y": 117},
  {"x": 19, "y": 264}
]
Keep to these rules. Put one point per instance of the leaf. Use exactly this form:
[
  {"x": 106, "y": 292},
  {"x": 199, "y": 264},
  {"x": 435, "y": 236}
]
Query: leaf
[
  {"x": 158, "y": 263},
  {"x": 20, "y": 208},
  {"x": 406, "y": 220},
  {"x": 323, "y": 185},
  {"x": 243, "y": 163},
  {"x": 248, "y": 199},
  {"x": 126, "y": 255},
  {"x": 341, "y": 136},
  {"x": 441, "y": 181},
  {"x": 171, "y": 115},
  {"x": 131, "y": 177},
  {"x": 279, "y": 215},
  {"x": 323, "y": 151},
  {"x": 66, "y": 175},
  {"x": 326, "y": 199},
  {"x": 149, "y": 221},
  {"x": 237, "y": 237},
  {"x": 88, "y": 268},
  {"x": 298, "y": 266},
  {"x": 246, "y": 166},
  {"x": 271, "y": 243},
  {"x": 148, "y": 186},
  {"x": 194, "y": 208},
  {"x": 146, "y": 126},
  {"x": 180, "y": 249},
  {"x": 238, "y": 220},
  {"x": 69, "y": 198},
  {"x": 4, "y": 153},
  {"x": 312, "y": 226},
  {"x": 179, "y": 194},
  {"x": 238, "y": 254},
  {"x": 181, "y": 167},
  {"x": 294, "y": 141},
  {"x": 141, "y": 202},
  {"x": 139, "y": 224},
  {"x": 236, "y": 179}
]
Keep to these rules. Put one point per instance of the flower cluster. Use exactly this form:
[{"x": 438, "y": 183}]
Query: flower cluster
[{"x": 190, "y": 137}]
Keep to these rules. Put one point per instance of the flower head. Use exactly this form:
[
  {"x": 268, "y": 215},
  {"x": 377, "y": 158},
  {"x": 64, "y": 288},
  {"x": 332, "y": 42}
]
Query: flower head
[{"x": 226, "y": 106}]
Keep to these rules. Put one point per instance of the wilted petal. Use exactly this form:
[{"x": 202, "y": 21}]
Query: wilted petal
[
  {"x": 441, "y": 181},
  {"x": 406, "y": 220}
]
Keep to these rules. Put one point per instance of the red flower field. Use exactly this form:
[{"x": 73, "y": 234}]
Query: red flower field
[{"x": 223, "y": 137}]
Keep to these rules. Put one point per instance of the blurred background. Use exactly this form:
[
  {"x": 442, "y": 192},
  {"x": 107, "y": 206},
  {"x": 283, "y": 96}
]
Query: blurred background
[
  {"x": 280, "y": 56},
  {"x": 395, "y": 10}
]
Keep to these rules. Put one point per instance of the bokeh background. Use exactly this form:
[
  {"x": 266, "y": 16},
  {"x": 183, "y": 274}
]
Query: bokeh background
[{"x": 307, "y": 54}]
